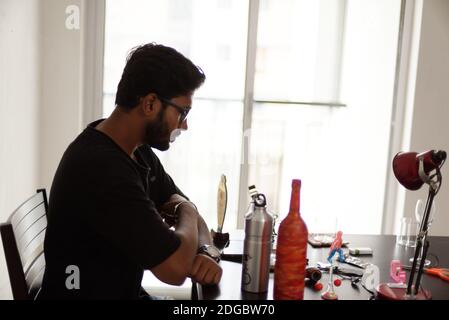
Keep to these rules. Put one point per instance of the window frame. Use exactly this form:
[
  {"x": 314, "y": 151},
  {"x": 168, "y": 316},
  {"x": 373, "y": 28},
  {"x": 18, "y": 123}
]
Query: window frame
[
  {"x": 93, "y": 45},
  {"x": 92, "y": 62},
  {"x": 249, "y": 101}
]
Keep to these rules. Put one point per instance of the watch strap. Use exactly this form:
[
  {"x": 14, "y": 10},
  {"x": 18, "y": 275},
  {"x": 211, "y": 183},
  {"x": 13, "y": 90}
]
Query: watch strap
[{"x": 204, "y": 251}]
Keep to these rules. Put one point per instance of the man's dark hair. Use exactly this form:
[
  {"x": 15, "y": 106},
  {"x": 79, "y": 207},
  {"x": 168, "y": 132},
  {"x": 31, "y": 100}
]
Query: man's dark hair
[{"x": 159, "y": 69}]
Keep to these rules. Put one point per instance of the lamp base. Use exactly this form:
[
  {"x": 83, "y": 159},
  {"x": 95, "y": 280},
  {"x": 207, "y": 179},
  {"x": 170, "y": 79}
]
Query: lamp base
[
  {"x": 329, "y": 295},
  {"x": 397, "y": 291}
]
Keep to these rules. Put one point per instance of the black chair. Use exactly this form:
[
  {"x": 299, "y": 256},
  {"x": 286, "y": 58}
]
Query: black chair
[{"x": 23, "y": 242}]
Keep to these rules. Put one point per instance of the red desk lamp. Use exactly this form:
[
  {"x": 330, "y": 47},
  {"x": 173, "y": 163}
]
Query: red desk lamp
[{"x": 413, "y": 170}]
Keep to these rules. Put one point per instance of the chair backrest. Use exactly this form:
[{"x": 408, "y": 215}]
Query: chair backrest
[{"x": 23, "y": 242}]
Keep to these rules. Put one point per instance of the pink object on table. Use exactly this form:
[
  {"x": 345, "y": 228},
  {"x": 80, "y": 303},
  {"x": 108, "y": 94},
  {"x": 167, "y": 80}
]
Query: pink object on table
[
  {"x": 337, "y": 242},
  {"x": 396, "y": 272}
]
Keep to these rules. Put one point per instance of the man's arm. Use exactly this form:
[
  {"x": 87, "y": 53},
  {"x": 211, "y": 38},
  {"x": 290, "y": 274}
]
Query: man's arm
[
  {"x": 142, "y": 236},
  {"x": 205, "y": 270},
  {"x": 178, "y": 266},
  {"x": 204, "y": 236}
]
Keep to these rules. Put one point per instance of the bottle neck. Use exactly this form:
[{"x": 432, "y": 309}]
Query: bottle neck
[{"x": 295, "y": 198}]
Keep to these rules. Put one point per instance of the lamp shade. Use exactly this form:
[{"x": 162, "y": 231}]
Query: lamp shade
[{"x": 406, "y": 166}]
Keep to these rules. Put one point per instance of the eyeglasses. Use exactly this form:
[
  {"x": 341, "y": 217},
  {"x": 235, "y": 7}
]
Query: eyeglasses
[{"x": 183, "y": 111}]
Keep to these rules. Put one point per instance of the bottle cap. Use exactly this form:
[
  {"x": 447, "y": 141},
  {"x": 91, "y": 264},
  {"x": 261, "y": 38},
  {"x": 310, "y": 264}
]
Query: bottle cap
[{"x": 260, "y": 200}]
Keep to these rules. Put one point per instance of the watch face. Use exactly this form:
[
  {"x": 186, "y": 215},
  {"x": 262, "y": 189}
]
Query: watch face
[{"x": 214, "y": 252}]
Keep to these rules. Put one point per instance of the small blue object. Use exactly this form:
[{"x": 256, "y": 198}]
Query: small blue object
[{"x": 341, "y": 257}]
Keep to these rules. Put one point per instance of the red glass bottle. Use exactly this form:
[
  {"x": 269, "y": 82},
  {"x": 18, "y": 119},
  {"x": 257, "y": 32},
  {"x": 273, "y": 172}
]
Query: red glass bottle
[{"x": 291, "y": 252}]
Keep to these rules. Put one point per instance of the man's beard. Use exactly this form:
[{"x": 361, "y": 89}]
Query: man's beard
[{"x": 157, "y": 133}]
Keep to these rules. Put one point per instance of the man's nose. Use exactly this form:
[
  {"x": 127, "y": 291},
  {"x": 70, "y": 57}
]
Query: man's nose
[{"x": 184, "y": 125}]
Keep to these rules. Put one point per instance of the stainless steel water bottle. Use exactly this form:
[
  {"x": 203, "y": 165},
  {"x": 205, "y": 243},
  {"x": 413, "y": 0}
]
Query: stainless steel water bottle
[{"x": 257, "y": 246}]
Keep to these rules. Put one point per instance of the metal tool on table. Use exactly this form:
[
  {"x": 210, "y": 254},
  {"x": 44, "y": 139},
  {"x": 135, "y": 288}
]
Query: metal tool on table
[
  {"x": 222, "y": 202},
  {"x": 221, "y": 240}
]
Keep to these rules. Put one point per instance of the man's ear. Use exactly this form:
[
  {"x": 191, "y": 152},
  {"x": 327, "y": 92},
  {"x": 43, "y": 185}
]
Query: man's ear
[{"x": 148, "y": 103}]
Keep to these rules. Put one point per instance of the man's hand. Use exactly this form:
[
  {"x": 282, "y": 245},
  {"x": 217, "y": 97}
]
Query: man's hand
[{"x": 205, "y": 270}]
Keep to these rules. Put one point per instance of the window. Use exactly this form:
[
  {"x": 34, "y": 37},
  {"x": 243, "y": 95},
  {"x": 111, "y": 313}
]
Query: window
[
  {"x": 212, "y": 144},
  {"x": 312, "y": 97},
  {"x": 299, "y": 50}
]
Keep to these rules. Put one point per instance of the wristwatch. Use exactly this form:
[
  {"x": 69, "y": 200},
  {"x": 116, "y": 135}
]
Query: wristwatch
[{"x": 210, "y": 251}]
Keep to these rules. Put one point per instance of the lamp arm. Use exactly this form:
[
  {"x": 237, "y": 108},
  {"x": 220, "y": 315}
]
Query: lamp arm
[
  {"x": 413, "y": 269},
  {"x": 421, "y": 242},
  {"x": 421, "y": 172},
  {"x": 421, "y": 265},
  {"x": 429, "y": 179}
]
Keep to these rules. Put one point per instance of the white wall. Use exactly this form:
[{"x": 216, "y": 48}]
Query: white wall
[
  {"x": 61, "y": 109},
  {"x": 20, "y": 86},
  {"x": 40, "y": 99},
  {"x": 430, "y": 120}
]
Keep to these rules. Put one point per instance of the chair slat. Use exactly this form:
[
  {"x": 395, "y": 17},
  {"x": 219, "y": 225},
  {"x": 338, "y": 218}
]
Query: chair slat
[
  {"x": 33, "y": 249},
  {"x": 33, "y": 256},
  {"x": 35, "y": 268},
  {"x": 36, "y": 215},
  {"x": 34, "y": 230},
  {"x": 35, "y": 285},
  {"x": 26, "y": 207}
]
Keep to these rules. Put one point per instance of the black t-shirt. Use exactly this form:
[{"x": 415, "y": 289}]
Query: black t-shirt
[{"x": 103, "y": 220}]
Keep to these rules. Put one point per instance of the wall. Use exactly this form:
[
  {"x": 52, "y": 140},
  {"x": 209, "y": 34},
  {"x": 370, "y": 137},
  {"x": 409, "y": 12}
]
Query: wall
[
  {"x": 429, "y": 126},
  {"x": 40, "y": 99},
  {"x": 20, "y": 88},
  {"x": 61, "y": 110}
]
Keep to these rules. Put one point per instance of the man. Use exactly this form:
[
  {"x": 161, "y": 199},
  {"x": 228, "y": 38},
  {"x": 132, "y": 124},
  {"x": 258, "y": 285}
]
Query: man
[{"x": 110, "y": 192}]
